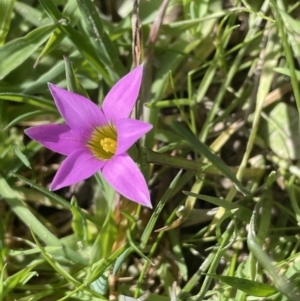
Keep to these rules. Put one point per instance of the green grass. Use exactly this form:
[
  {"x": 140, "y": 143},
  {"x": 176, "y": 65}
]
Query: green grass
[{"x": 221, "y": 89}]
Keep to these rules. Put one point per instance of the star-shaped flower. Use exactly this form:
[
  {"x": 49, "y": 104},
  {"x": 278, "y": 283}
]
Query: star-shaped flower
[{"x": 95, "y": 139}]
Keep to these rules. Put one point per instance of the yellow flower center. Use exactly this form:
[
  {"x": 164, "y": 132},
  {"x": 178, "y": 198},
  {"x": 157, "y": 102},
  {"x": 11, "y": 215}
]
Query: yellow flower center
[{"x": 103, "y": 142}]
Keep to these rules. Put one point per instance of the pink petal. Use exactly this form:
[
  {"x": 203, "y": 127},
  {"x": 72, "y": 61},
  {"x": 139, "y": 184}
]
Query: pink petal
[
  {"x": 81, "y": 114},
  {"x": 125, "y": 177},
  {"x": 78, "y": 166},
  {"x": 120, "y": 100},
  {"x": 129, "y": 131},
  {"x": 57, "y": 137}
]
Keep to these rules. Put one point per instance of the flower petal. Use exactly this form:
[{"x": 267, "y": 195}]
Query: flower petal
[
  {"x": 129, "y": 131},
  {"x": 57, "y": 137},
  {"x": 80, "y": 113},
  {"x": 125, "y": 177},
  {"x": 78, "y": 166},
  {"x": 120, "y": 100}
]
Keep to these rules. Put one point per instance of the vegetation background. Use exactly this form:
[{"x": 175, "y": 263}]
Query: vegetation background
[{"x": 221, "y": 88}]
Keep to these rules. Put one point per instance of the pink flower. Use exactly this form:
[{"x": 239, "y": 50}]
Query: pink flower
[{"x": 95, "y": 139}]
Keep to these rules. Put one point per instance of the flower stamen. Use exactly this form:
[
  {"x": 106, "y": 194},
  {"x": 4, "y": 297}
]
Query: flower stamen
[
  {"x": 103, "y": 142},
  {"x": 109, "y": 145}
]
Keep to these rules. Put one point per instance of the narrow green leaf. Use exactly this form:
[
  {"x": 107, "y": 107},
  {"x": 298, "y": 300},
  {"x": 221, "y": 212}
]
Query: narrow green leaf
[
  {"x": 71, "y": 12},
  {"x": 205, "y": 151},
  {"x": 121, "y": 259},
  {"x": 6, "y": 7},
  {"x": 136, "y": 249},
  {"x": 156, "y": 213},
  {"x": 27, "y": 277},
  {"x": 168, "y": 103},
  {"x": 24, "y": 213},
  {"x": 55, "y": 197},
  {"x": 73, "y": 83},
  {"x": 29, "y": 219},
  {"x": 179, "y": 257},
  {"x": 31, "y": 149},
  {"x": 100, "y": 285},
  {"x": 292, "y": 27},
  {"x": 37, "y": 251},
  {"x": 28, "y": 99},
  {"x": 55, "y": 265},
  {"x": 239, "y": 210},
  {"x": 286, "y": 71},
  {"x": 26, "y": 116},
  {"x": 142, "y": 298},
  {"x": 2, "y": 281},
  {"x": 279, "y": 129},
  {"x": 250, "y": 287},
  {"x": 98, "y": 268},
  {"x": 31, "y": 14},
  {"x": 108, "y": 193},
  {"x": 49, "y": 76},
  {"x": 21, "y": 156},
  {"x": 78, "y": 39},
  {"x": 103, "y": 45},
  {"x": 281, "y": 283},
  {"x": 79, "y": 223},
  {"x": 278, "y": 7},
  {"x": 20, "y": 277},
  {"x": 103, "y": 244},
  {"x": 14, "y": 53}
]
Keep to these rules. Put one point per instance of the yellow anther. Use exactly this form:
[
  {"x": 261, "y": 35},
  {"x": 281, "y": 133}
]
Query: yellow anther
[
  {"x": 109, "y": 145},
  {"x": 103, "y": 142}
]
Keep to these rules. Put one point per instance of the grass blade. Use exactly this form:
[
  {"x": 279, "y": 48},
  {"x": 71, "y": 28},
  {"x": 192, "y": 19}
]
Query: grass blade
[
  {"x": 14, "y": 53},
  {"x": 6, "y": 7},
  {"x": 250, "y": 287},
  {"x": 78, "y": 39},
  {"x": 23, "y": 212},
  {"x": 205, "y": 151},
  {"x": 104, "y": 47}
]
